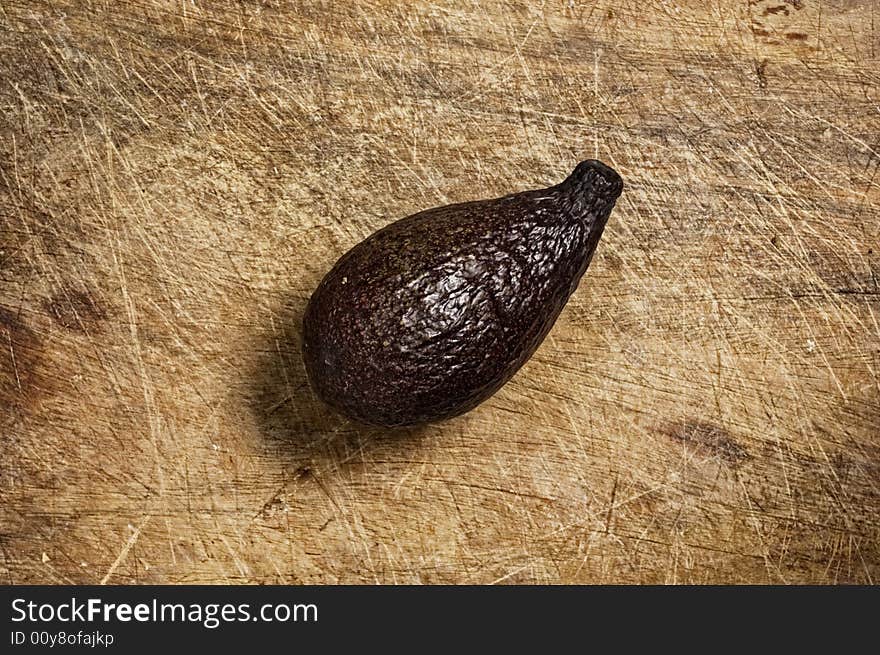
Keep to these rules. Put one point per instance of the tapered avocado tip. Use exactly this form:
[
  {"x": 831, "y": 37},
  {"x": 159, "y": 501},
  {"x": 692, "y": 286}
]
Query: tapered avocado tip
[{"x": 593, "y": 177}]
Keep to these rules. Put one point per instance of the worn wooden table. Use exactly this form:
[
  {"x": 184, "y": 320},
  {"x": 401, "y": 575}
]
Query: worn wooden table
[{"x": 175, "y": 180}]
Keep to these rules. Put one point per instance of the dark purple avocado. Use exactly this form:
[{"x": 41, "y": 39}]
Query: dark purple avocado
[{"x": 429, "y": 316}]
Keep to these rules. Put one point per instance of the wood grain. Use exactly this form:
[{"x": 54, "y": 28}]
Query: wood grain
[{"x": 175, "y": 179}]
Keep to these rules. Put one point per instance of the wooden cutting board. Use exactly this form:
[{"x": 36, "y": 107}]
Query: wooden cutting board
[{"x": 174, "y": 181}]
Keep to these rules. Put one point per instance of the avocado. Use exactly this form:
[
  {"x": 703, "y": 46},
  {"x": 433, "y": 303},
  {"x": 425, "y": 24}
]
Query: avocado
[{"x": 431, "y": 315}]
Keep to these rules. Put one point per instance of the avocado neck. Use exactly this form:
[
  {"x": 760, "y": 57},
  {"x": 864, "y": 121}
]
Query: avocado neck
[{"x": 591, "y": 191}]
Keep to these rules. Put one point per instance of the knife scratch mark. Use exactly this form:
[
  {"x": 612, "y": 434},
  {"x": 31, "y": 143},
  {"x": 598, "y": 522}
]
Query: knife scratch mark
[{"x": 126, "y": 548}]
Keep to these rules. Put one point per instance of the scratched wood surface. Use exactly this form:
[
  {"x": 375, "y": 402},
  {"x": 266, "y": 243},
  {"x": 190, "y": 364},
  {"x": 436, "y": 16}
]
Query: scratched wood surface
[{"x": 175, "y": 179}]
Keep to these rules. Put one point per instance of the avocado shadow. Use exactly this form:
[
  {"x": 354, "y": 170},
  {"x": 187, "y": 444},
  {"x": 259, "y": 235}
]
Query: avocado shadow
[{"x": 295, "y": 426}]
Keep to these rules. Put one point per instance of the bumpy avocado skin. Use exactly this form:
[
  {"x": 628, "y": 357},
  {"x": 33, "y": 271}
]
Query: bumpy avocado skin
[{"x": 431, "y": 315}]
